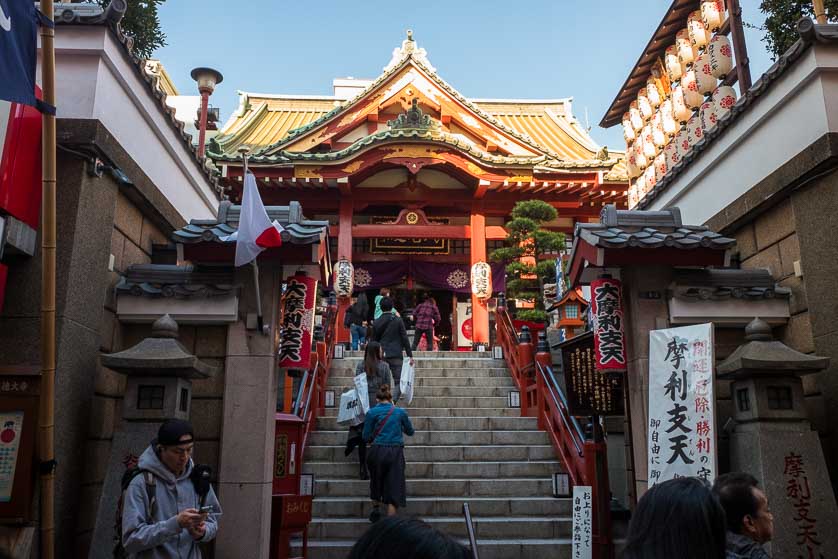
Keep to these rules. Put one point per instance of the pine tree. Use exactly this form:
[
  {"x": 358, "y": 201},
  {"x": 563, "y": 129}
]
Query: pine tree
[
  {"x": 526, "y": 238},
  {"x": 142, "y": 23},
  {"x": 781, "y": 17}
]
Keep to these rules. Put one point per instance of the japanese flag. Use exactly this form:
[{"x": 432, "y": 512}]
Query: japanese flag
[{"x": 256, "y": 231}]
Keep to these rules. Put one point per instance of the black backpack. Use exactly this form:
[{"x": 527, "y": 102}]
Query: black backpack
[{"x": 127, "y": 477}]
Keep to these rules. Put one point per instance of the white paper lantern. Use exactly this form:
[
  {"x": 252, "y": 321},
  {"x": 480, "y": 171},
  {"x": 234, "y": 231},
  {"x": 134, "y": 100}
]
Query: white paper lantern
[
  {"x": 682, "y": 143},
  {"x": 628, "y": 129},
  {"x": 481, "y": 280},
  {"x": 670, "y": 153},
  {"x": 344, "y": 278},
  {"x": 695, "y": 132},
  {"x": 658, "y": 135},
  {"x": 653, "y": 93},
  {"x": 707, "y": 114},
  {"x": 649, "y": 179},
  {"x": 692, "y": 97},
  {"x": 631, "y": 164},
  {"x": 670, "y": 127},
  {"x": 640, "y": 153},
  {"x": 721, "y": 56},
  {"x": 660, "y": 167},
  {"x": 632, "y": 196},
  {"x": 644, "y": 106},
  {"x": 713, "y": 14},
  {"x": 724, "y": 97},
  {"x": 650, "y": 149},
  {"x": 679, "y": 105},
  {"x": 635, "y": 117},
  {"x": 673, "y": 64},
  {"x": 699, "y": 34},
  {"x": 686, "y": 53},
  {"x": 704, "y": 77},
  {"x": 640, "y": 185}
]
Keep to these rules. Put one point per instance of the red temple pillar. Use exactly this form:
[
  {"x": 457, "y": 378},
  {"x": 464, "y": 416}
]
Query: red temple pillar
[
  {"x": 479, "y": 312},
  {"x": 344, "y": 251}
]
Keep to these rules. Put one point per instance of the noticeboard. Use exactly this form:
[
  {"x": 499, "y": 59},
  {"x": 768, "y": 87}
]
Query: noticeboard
[
  {"x": 590, "y": 391},
  {"x": 19, "y": 390}
]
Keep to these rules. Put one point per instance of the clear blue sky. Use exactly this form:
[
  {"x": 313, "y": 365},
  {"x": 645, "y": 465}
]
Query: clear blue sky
[{"x": 485, "y": 49}]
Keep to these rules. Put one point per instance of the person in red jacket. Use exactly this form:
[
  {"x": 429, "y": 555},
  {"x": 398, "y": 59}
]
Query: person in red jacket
[{"x": 426, "y": 315}]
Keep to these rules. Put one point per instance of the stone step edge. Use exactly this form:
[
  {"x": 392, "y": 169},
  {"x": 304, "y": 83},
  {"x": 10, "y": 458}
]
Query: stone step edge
[
  {"x": 464, "y": 462},
  {"x": 445, "y": 480},
  {"x": 441, "y": 519},
  {"x": 480, "y": 542},
  {"x": 444, "y": 445}
]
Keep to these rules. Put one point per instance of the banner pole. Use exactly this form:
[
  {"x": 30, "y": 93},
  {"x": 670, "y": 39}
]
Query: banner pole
[
  {"x": 46, "y": 419},
  {"x": 259, "y": 321}
]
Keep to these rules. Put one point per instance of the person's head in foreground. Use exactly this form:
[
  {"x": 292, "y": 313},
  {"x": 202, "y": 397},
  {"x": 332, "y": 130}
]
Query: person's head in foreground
[
  {"x": 746, "y": 506},
  {"x": 406, "y": 538},
  {"x": 677, "y": 519}
]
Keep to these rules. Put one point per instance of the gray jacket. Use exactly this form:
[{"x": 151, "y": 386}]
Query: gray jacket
[
  {"x": 743, "y": 547},
  {"x": 161, "y": 537},
  {"x": 382, "y": 376}
]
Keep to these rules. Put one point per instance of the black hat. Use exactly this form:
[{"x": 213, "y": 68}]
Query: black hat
[{"x": 172, "y": 430}]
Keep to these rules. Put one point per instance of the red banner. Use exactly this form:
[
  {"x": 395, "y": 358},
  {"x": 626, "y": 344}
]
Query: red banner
[
  {"x": 297, "y": 322},
  {"x": 607, "y": 312}
]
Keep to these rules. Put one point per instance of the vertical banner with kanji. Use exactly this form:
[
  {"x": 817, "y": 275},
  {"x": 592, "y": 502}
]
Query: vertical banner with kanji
[
  {"x": 607, "y": 313},
  {"x": 682, "y": 425},
  {"x": 297, "y": 322},
  {"x": 583, "y": 522}
]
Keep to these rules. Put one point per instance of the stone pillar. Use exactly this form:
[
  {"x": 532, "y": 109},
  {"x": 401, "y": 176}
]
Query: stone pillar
[
  {"x": 643, "y": 312},
  {"x": 247, "y": 434},
  {"x": 479, "y": 312}
]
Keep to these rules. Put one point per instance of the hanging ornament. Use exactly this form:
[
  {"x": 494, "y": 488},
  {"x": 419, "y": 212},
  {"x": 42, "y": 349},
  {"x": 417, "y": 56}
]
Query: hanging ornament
[
  {"x": 632, "y": 196},
  {"x": 481, "y": 280},
  {"x": 644, "y": 106},
  {"x": 670, "y": 127},
  {"x": 724, "y": 97},
  {"x": 344, "y": 278},
  {"x": 686, "y": 54},
  {"x": 679, "y": 105},
  {"x": 631, "y": 164},
  {"x": 650, "y": 179},
  {"x": 653, "y": 93},
  {"x": 695, "y": 132},
  {"x": 673, "y": 64},
  {"x": 699, "y": 35},
  {"x": 704, "y": 77},
  {"x": 721, "y": 56},
  {"x": 628, "y": 130},
  {"x": 660, "y": 167},
  {"x": 670, "y": 153},
  {"x": 635, "y": 117},
  {"x": 640, "y": 154},
  {"x": 713, "y": 14},
  {"x": 692, "y": 97},
  {"x": 658, "y": 135},
  {"x": 650, "y": 149},
  {"x": 682, "y": 143},
  {"x": 640, "y": 185},
  {"x": 707, "y": 114}
]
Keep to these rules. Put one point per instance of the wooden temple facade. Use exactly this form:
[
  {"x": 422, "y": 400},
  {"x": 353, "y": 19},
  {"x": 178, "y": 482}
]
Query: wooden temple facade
[{"x": 413, "y": 176}]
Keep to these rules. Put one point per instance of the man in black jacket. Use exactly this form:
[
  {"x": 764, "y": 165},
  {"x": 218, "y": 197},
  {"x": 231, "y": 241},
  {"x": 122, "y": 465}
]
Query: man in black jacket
[{"x": 389, "y": 331}]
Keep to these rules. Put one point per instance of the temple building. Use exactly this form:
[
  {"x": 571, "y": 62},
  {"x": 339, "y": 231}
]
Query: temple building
[{"x": 415, "y": 179}]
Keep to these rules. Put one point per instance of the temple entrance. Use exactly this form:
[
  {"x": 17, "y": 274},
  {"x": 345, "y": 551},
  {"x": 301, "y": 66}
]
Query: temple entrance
[{"x": 405, "y": 300}]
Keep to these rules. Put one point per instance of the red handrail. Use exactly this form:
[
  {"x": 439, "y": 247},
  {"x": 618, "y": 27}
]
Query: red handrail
[
  {"x": 311, "y": 394},
  {"x": 585, "y": 460}
]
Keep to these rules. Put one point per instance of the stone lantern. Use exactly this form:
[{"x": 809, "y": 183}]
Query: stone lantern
[
  {"x": 773, "y": 440},
  {"x": 160, "y": 373}
]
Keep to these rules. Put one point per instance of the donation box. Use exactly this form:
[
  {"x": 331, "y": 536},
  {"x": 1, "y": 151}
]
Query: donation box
[
  {"x": 19, "y": 390},
  {"x": 288, "y": 440},
  {"x": 290, "y": 514}
]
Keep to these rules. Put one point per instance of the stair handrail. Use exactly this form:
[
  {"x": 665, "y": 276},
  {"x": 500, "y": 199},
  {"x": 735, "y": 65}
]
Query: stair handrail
[
  {"x": 472, "y": 540},
  {"x": 518, "y": 354}
]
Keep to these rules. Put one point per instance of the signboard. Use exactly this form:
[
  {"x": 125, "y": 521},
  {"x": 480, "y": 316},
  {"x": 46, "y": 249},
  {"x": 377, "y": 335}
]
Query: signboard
[
  {"x": 464, "y": 324},
  {"x": 607, "y": 313},
  {"x": 11, "y": 427},
  {"x": 297, "y": 322},
  {"x": 590, "y": 391},
  {"x": 682, "y": 425},
  {"x": 408, "y": 246},
  {"x": 583, "y": 522}
]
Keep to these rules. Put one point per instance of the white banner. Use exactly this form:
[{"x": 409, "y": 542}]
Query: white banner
[
  {"x": 682, "y": 424},
  {"x": 583, "y": 522}
]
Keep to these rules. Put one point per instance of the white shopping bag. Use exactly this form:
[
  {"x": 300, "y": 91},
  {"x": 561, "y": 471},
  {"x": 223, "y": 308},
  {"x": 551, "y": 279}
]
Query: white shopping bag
[
  {"x": 350, "y": 412},
  {"x": 363, "y": 391},
  {"x": 406, "y": 382}
]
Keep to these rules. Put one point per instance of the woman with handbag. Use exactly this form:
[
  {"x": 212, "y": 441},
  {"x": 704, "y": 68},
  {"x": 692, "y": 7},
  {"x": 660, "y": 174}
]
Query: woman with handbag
[
  {"x": 384, "y": 427},
  {"x": 378, "y": 374}
]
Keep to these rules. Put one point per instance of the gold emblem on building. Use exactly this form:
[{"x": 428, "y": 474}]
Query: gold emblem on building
[{"x": 412, "y": 218}]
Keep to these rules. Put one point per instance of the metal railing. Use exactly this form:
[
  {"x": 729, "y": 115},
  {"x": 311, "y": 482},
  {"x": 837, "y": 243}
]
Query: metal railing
[{"x": 472, "y": 540}]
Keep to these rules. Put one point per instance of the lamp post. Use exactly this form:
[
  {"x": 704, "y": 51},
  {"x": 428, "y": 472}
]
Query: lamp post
[{"x": 207, "y": 79}]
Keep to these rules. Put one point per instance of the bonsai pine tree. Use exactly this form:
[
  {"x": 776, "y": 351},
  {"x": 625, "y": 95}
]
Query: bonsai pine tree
[{"x": 529, "y": 256}]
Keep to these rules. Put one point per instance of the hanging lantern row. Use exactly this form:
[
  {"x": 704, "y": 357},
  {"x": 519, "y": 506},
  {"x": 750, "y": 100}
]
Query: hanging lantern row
[
  {"x": 481, "y": 280},
  {"x": 682, "y": 100}
]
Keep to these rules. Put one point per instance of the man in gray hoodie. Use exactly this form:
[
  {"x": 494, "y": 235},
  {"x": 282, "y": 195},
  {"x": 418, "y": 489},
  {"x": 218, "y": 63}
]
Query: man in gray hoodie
[{"x": 173, "y": 523}]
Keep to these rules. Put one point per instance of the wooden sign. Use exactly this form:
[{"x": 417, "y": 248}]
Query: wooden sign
[
  {"x": 583, "y": 522},
  {"x": 682, "y": 424},
  {"x": 297, "y": 322},
  {"x": 589, "y": 390},
  {"x": 607, "y": 312},
  {"x": 19, "y": 389}
]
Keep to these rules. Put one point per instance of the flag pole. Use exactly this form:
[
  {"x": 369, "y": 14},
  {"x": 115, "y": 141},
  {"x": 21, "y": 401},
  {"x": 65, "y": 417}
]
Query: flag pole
[
  {"x": 46, "y": 419},
  {"x": 259, "y": 322}
]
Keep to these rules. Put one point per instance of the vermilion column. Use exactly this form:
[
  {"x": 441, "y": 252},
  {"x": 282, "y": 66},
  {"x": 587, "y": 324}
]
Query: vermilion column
[
  {"x": 479, "y": 312},
  {"x": 344, "y": 251}
]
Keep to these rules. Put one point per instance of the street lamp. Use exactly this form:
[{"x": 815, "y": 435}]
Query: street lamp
[{"x": 207, "y": 79}]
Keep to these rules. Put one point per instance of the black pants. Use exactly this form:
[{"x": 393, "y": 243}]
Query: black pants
[
  {"x": 395, "y": 370},
  {"x": 429, "y": 335}
]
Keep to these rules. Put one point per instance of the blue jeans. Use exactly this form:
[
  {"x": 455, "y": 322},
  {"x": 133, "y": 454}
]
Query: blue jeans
[{"x": 358, "y": 334}]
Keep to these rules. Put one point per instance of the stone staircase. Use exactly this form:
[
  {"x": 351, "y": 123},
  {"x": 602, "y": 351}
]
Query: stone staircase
[{"x": 468, "y": 447}]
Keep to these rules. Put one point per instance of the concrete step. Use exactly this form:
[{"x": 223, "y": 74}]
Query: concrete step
[
  {"x": 430, "y": 377},
  {"x": 492, "y": 526},
  {"x": 359, "y": 507},
  {"x": 436, "y": 453},
  {"x": 440, "y": 391},
  {"x": 488, "y": 487},
  {"x": 559, "y": 548},
  {"x": 434, "y": 355},
  {"x": 471, "y": 438},
  {"x": 449, "y": 412},
  {"x": 421, "y": 423},
  {"x": 438, "y": 363},
  {"x": 501, "y": 372},
  {"x": 444, "y": 470},
  {"x": 425, "y": 401}
]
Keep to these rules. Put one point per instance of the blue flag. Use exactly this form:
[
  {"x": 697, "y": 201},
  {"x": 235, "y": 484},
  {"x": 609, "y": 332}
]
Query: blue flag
[{"x": 19, "y": 20}]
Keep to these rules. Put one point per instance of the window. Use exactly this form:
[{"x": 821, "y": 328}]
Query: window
[
  {"x": 779, "y": 398},
  {"x": 743, "y": 399},
  {"x": 184, "y": 400},
  {"x": 571, "y": 311},
  {"x": 150, "y": 397}
]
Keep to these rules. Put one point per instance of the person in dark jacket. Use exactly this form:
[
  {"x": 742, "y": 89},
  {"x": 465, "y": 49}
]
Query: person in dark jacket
[
  {"x": 356, "y": 320},
  {"x": 426, "y": 315},
  {"x": 407, "y": 538},
  {"x": 378, "y": 374},
  {"x": 750, "y": 523},
  {"x": 389, "y": 330},
  {"x": 384, "y": 427}
]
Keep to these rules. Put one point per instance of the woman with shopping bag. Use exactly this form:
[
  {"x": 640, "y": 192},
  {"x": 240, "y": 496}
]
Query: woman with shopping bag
[
  {"x": 384, "y": 427},
  {"x": 374, "y": 372}
]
